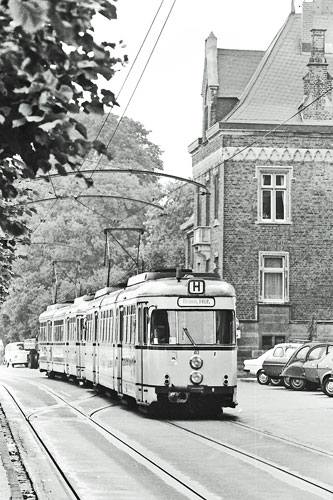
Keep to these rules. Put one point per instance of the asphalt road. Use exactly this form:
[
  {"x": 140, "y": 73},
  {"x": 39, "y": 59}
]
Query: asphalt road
[{"x": 275, "y": 445}]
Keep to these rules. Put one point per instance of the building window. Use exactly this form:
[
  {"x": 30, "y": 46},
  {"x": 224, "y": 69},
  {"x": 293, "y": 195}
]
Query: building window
[
  {"x": 199, "y": 207},
  {"x": 216, "y": 197},
  {"x": 273, "y": 273},
  {"x": 189, "y": 251},
  {"x": 274, "y": 194},
  {"x": 207, "y": 204},
  {"x": 269, "y": 341}
]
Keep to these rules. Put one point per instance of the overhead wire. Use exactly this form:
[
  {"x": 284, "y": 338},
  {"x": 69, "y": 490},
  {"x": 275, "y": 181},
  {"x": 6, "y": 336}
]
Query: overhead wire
[
  {"x": 130, "y": 70},
  {"x": 138, "y": 82},
  {"x": 277, "y": 127},
  {"x": 127, "y": 76},
  {"x": 249, "y": 145}
]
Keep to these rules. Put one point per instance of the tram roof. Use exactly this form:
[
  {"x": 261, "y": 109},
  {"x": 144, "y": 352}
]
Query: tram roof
[{"x": 167, "y": 284}]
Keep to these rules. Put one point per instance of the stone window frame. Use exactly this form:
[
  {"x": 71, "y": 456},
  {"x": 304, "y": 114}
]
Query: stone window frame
[
  {"x": 284, "y": 271},
  {"x": 287, "y": 172}
]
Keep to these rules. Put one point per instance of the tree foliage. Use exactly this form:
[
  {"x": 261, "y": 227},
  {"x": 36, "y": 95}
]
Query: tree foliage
[
  {"x": 72, "y": 229},
  {"x": 49, "y": 64},
  {"x": 165, "y": 245}
]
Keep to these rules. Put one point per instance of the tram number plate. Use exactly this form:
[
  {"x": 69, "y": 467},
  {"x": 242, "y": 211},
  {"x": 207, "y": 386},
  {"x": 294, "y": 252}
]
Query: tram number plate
[{"x": 196, "y": 302}]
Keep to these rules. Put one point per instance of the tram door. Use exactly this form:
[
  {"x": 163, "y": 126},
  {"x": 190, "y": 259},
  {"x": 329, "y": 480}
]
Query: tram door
[
  {"x": 141, "y": 342},
  {"x": 94, "y": 349},
  {"x": 80, "y": 342},
  {"x": 49, "y": 346},
  {"x": 119, "y": 357}
]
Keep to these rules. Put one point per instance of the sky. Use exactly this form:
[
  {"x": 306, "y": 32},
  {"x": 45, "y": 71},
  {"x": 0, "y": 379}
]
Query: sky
[{"x": 167, "y": 100}]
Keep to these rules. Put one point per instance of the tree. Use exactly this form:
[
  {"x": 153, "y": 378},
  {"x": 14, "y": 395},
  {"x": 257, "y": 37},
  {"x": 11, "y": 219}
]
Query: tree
[
  {"x": 164, "y": 247},
  {"x": 49, "y": 65},
  {"x": 73, "y": 229}
]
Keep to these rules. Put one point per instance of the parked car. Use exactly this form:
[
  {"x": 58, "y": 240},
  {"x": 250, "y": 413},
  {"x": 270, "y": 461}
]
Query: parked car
[
  {"x": 294, "y": 368},
  {"x": 254, "y": 367},
  {"x": 15, "y": 354},
  {"x": 318, "y": 370},
  {"x": 327, "y": 385},
  {"x": 273, "y": 365}
]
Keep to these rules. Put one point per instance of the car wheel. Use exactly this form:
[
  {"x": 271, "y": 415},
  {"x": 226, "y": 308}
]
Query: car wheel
[
  {"x": 275, "y": 381},
  {"x": 262, "y": 378},
  {"x": 297, "y": 384},
  {"x": 286, "y": 382},
  {"x": 328, "y": 387}
]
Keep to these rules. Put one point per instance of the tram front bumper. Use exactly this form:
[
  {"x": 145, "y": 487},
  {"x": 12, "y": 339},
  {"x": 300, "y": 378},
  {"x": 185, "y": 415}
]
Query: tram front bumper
[{"x": 182, "y": 394}]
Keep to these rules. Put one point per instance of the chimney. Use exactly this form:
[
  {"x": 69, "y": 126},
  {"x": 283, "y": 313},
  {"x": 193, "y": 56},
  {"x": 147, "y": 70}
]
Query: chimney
[
  {"x": 318, "y": 81},
  {"x": 211, "y": 84},
  {"x": 317, "y": 14},
  {"x": 318, "y": 48}
]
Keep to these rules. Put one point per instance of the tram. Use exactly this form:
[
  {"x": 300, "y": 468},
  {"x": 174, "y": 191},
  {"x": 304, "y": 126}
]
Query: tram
[{"x": 166, "y": 338}]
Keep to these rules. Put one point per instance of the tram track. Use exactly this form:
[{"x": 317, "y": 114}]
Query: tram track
[
  {"x": 72, "y": 494},
  {"x": 303, "y": 446},
  {"x": 154, "y": 464},
  {"x": 325, "y": 491},
  {"x": 283, "y": 473}
]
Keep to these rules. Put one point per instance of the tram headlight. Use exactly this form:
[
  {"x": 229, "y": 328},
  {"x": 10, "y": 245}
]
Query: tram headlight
[
  {"x": 196, "y": 362},
  {"x": 196, "y": 378}
]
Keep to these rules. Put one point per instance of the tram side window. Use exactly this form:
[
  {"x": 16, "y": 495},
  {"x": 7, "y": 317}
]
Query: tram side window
[
  {"x": 101, "y": 337},
  {"x": 142, "y": 325},
  {"x": 71, "y": 330},
  {"x": 111, "y": 337},
  {"x": 125, "y": 323},
  {"x": 160, "y": 330},
  {"x": 42, "y": 332},
  {"x": 132, "y": 324},
  {"x": 89, "y": 328},
  {"x": 83, "y": 330},
  {"x": 225, "y": 327},
  {"x": 58, "y": 331},
  {"x": 49, "y": 331},
  {"x": 106, "y": 327}
]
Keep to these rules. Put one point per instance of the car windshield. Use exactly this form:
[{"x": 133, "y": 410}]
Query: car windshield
[{"x": 193, "y": 327}]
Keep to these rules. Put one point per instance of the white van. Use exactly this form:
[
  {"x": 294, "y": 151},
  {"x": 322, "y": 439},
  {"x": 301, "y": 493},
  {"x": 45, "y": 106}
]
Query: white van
[{"x": 15, "y": 354}]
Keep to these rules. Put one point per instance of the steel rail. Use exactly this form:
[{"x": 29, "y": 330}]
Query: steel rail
[
  {"x": 72, "y": 492},
  {"x": 263, "y": 461},
  {"x": 151, "y": 462}
]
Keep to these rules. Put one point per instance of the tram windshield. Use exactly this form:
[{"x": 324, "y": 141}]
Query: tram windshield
[{"x": 193, "y": 327}]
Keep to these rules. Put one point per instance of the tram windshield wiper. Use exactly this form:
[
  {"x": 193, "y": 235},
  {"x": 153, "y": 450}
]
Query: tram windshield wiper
[{"x": 187, "y": 333}]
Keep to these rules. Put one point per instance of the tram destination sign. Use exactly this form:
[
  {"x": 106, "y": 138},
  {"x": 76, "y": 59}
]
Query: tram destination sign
[{"x": 196, "y": 302}]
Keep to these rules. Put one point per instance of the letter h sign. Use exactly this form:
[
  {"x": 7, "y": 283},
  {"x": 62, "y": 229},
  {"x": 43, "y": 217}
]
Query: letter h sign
[{"x": 196, "y": 287}]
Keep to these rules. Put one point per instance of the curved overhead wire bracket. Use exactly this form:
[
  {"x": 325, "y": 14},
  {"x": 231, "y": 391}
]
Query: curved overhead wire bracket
[{"x": 123, "y": 171}]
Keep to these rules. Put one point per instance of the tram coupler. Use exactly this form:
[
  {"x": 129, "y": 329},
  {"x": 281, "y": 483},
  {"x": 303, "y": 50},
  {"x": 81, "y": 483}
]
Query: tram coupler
[{"x": 178, "y": 397}]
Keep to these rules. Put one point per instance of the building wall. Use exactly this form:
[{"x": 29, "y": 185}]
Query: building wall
[{"x": 238, "y": 237}]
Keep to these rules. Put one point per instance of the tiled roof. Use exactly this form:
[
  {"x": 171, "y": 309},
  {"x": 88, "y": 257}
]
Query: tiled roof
[
  {"x": 235, "y": 68},
  {"x": 276, "y": 88}
]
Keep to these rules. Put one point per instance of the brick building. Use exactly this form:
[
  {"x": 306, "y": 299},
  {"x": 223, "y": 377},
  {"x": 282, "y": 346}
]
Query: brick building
[{"x": 266, "y": 156}]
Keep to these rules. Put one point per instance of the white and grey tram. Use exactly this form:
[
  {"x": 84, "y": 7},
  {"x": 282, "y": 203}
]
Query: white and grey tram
[{"x": 163, "y": 339}]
